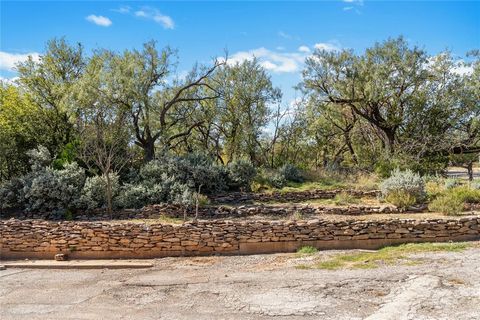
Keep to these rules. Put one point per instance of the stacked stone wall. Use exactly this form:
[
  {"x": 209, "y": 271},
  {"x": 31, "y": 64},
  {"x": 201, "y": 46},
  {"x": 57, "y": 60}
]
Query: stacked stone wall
[{"x": 87, "y": 239}]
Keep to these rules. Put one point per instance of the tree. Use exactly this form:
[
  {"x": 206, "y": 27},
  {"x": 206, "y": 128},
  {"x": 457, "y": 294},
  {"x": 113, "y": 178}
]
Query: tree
[
  {"x": 21, "y": 129},
  {"x": 159, "y": 107},
  {"x": 247, "y": 92},
  {"x": 103, "y": 128},
  {"x": 420, "y": 108},
  {"x": 48, "y": 83},
  {"x": 379, "y": 86}
]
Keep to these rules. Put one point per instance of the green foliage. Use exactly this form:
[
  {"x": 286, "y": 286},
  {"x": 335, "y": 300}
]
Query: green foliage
[
  {"x": 11, "y": 193},
  {"x": 48, "y": 189},
  {"x": 451, "y": 201},
  {"x": 291, "y": 173},
  {"x": 465, "y": 194},
  {"x": 140, "y": 195},
  {"x": 307, "y": 250},
  {"x": 386, "y": 256},
  {"x": 194, "y": 170},
  {"x": 452, "y": 183},
  {"x": 240, "y": 175},
  {"x": 401, "y": 198},
  {"x": 344, "y": 198},
  {"x": 21, "y": 129},
  {"x": 448, "y": 204},
  {"x": 67, "y": 155},
  {"x": 434, "y": 188},
  {"x": 404, "y": 188},
  {"x": 93, "y": 193},
  {"x": 475, "y": 185}
]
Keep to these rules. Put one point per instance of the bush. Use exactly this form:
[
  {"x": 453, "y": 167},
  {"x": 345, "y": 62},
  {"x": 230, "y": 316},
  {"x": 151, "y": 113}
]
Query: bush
[
  {"x": 240, "y": 175},
  {"x": 401, "y": 199},
  {"x": 403, "y": 187},
  {"x": 344, "y": 198},
  {"x": 465, "y": 194},
  {"x": 94, "y": 192},
  {"x": 140, "y": 195},
  {"x": 452, "y": 183},
  {"x": 434, "y": 188},
  {"x": 194, "y": 170},
  {"x": 448, "y": 204},
  {"x": 366, "y": 182},
  {"x": 307, "y": 250},
  {"x": 291, "y": 173},
  {"x": 276, "y": 180},
  {"x": 53, "y": 190},
  {"x": 11, "y": 194},
  {"x": 475, "y": 185},
  {"x": 39, "y": 158}
]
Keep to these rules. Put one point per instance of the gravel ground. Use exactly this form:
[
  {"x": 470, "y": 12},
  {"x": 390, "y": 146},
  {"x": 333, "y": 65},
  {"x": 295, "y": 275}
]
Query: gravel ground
[{"x": 444, "y": 286}]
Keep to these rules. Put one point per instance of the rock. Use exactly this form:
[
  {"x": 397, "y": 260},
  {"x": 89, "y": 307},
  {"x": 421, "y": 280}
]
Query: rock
[{"x": 61, "y": 257}]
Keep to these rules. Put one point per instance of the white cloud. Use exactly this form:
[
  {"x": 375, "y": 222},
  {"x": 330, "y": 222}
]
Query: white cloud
[
  {"x": 353, "y": 4},
  {"x": 326, "y": 46},
  {"x": 279, "y": 62},
  {"x": 462, "y": 69},
  {"x": 358, "y": 2},
  {"x": 9, "y": 60},
  {"x": 123, "y": 9},
  {"x": 284, "y": 35},
  {"x": 11, "y": 81},
  {"x": 99, "y": 20},
  {"x": 304, "y": 49},
  {"x": 155, "y": 15}
]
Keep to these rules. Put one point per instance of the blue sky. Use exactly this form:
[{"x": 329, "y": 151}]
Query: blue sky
[{"x": 281, "y": 34}]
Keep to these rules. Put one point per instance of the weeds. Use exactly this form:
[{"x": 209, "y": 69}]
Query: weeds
[
  {"x": 307, "y": 250},
  {"x": 385, "y": 256}
]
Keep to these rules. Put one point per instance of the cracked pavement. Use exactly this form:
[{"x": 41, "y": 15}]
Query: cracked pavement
[{"x": 445, "y": 286}]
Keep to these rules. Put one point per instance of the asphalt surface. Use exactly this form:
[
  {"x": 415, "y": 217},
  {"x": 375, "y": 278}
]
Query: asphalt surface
[{"x": 438, "y": 286}]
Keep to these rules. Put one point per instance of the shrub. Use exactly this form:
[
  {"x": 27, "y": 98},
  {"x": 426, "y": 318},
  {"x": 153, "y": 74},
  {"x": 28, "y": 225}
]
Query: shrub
[
  {"x": 344, "y": 198},
  {"x": 11, "y": 194},
  {"x": 39, "y": 158},
  {"x": 53, "y": 190},
  {"x": 401, "y": 199},
  {"x": 475, "y": 185},
  {"x": 465, "y": 194},
  {"x": 240, "y": 175},
  {"x": 181, "y": 194},
  {"x": 448, "y": 204},
  {"x": 194, "y": 170},
  {"x": 291, "y": 173},
  {"x": 307, "y": 250},
  {"x": 403, "y": 187},
  {"x": 93, "y": 194},
  {"x": 366, "y": 182},
  {"x": 141, "y": 194},
  {"x": 434, "y": 188},
  {"x": 452, "y": 183},
  {"x": 276, "y": 180}
]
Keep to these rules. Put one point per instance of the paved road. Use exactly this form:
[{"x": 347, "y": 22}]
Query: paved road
[{"x": 445, "y": 286}]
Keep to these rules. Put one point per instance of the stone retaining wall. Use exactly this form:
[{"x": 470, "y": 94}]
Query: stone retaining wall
[
  {"x": 43, "y": 239},
  {"x": 214, "y": 212},
  {"x": 292, "y": 196}
]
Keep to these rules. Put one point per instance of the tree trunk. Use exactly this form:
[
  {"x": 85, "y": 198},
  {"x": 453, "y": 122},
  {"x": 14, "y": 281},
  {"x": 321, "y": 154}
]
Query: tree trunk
[
  {"x": 149, "y": 149},
  {"x": 348, "y": 142},
  {"x": 108, "y": 193},
  {"x": 390, "y": 141},
  {"x": 470, "y": 171}
]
